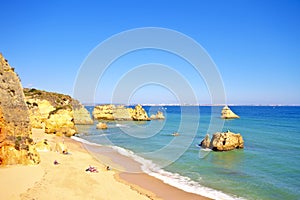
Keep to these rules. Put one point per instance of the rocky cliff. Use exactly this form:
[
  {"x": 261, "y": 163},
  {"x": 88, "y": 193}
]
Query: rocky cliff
[
  {"x": 112, "y": 112},
  {"x": 104, "y": 112},
  {"x": 57, "y": 113},
  {"x": 16, "y": 145},
  {"x": 223, "y": 141},
  {"x": 228, "y": 114}
]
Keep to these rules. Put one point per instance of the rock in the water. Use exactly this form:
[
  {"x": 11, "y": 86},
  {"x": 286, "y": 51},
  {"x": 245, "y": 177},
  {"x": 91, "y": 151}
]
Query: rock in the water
[
  {"x": 226, "y": 141},
  {"x": 112, "y": 112},
  {"x": 121, "y": 113},
  {"x": 101, "y": 125},
  {"x": 104, "y": 112},
  {"x": 205, "y": 143},
  {"x": 223, "y": 141},
  {"x": 158, "y": 115},
  {"x": 139, "y": 114},
  {"x": 228, "y": 114},
  {"x": 16, "y": 144}
]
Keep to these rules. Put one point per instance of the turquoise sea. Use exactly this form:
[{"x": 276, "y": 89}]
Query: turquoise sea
[{"x": 267, "y": 168}]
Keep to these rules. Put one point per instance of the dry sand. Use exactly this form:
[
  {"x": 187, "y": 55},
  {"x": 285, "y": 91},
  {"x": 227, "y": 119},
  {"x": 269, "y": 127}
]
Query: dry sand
[{"x": 69, "y": 180}]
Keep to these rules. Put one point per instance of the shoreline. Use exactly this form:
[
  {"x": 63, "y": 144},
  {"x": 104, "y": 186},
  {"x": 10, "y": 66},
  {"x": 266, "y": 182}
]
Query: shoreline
[
  {"x": 145, "y": 183},
  {"x": 70, "y": 180},
  {"x": 129, "y": 172}
]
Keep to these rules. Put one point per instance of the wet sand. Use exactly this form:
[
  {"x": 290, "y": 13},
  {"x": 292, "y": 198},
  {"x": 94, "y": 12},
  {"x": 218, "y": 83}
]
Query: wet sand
[{"x": 130, "y": 173}]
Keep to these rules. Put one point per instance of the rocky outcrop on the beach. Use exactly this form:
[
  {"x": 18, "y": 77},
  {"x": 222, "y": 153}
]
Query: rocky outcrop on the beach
[
  {"x": 112, "y": 112},
  {"x": 158, "y": 115},
  {"x": 61, "y": 122},
  {"x": 43, "y": 145},
  {"x": 16, "y": 144},
  {"x": 223, "y": 141},
  {"x": 57, "y": 113},
  {"x": 60, "y": 147},
  {"x": 228, "y": 114},
  {"x": 82, "y": 116}
]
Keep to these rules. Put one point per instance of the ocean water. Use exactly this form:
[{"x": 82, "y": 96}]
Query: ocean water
[{"x": 267, "y": 168}]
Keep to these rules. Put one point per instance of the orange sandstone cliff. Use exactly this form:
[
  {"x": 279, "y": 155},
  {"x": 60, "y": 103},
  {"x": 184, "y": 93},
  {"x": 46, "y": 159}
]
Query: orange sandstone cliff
[{"x": 16, "y": 144}]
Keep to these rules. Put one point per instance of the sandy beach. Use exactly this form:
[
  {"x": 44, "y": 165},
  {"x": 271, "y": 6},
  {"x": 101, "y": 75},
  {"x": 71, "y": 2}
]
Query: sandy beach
[{"x": 70, "y": 180}]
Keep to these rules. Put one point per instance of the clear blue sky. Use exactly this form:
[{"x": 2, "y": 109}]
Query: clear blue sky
[{"x": 255, "y": 44}]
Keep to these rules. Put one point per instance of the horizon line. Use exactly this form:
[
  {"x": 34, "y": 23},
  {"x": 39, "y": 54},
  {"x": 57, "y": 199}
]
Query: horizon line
[{"x": 175, "y": 104}]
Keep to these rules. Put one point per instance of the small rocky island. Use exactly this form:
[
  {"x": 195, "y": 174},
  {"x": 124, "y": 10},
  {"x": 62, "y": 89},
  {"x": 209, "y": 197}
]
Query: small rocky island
[
  {"x": 223, "y": 141},
  {"x": 228, "y": 114}
]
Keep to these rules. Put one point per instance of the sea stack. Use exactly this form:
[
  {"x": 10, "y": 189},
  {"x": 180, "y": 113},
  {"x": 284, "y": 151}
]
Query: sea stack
[
  {"x": 228, "y": 114},
  {"x": 16, "y": 144},
  {"x": 101, "y": 125},
  {"x": 225, "y": 141},
  {"x": 158, "y": 115}
]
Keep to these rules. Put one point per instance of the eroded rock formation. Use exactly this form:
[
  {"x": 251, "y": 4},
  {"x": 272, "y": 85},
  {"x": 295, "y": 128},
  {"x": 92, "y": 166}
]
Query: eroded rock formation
[
  {"x": 82, "y": 116},
  {"x": 104, "y": 112},
  {"x": 61, "y": 122},
  {"x": 139, "y": 113},
  {"x": 158, "y": 115},
  {"x": 122, "y": 113},
  {"x": 205, "y": 143},
  {"x": 16, "y": 145},
  {"x": 228, "y": 114},
  {"x": 112, "y": 112},
  {"x": 43, "y": 145},
  {"x": 223, "y": 141},
  {"x": 57, "y": 113},
  {"x": 101, "y": 125}
]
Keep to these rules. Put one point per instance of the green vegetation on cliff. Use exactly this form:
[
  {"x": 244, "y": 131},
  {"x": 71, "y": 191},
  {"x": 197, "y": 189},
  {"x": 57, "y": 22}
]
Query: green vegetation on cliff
[{"x": 57, "y": 100}]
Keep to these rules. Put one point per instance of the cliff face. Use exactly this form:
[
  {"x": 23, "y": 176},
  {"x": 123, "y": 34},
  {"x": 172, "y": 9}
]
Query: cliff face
[
  {"x": 112, "y": 112},
  {"x": 16, "y": 145},
  {"x": 57, "y": 113}
]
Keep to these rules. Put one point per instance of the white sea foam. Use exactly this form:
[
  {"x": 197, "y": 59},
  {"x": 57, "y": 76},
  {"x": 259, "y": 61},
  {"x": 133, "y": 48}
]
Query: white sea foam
[
  {"x": 122, "y": 125},
  {"x": 78, "y": 139},
  {"x": 205, "y": 149},
  {"x": 174, "y": 179}
]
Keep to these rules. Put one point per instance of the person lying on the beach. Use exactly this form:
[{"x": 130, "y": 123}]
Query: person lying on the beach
[{"x": 91, "y": 169}]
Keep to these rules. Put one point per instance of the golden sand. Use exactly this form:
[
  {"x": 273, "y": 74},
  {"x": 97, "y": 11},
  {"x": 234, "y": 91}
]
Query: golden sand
[{"x": 70, "y": 180}]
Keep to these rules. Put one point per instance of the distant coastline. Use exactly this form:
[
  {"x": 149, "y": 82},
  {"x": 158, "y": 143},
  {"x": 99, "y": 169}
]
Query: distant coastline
[{"x": 166, "y": 104}]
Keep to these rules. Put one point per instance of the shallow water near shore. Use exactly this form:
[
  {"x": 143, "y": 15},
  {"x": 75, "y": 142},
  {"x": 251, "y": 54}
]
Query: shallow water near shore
[{"x": 267, "y": 168}]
